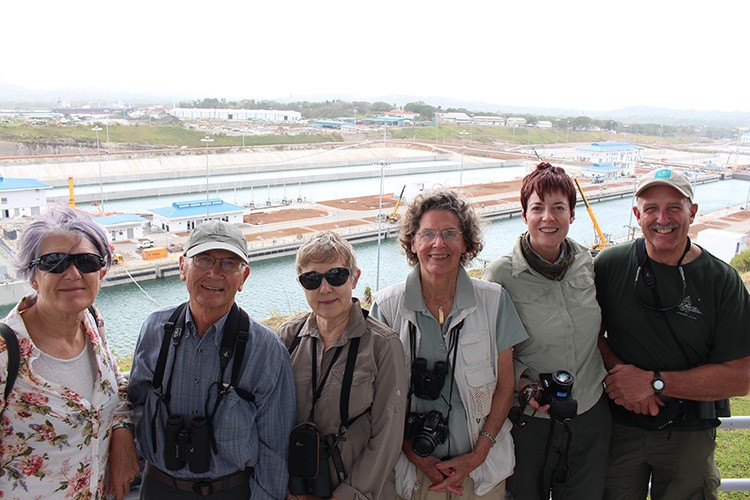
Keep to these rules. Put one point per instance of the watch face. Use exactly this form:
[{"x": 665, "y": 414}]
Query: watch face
[{"x": 658, "y": 385}]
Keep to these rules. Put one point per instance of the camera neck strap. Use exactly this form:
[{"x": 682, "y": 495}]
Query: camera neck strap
[
  {"x": 346, "y": 385},
  {"x": 649, "y": 278}
]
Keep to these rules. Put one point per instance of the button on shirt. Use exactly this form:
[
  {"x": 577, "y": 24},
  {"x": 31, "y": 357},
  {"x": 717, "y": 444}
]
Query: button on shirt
[{"x": 248, "y": 434}]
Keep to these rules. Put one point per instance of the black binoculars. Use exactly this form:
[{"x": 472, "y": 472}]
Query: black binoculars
[
  {"x": 187, "y": 445},
  {"x": 428, "y": 383}
]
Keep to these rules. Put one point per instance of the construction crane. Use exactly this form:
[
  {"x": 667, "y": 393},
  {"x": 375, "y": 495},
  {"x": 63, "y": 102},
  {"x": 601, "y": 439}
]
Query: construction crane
[
  {"x": 603, "y": 242},
  {"x": 393, "y": 218}
]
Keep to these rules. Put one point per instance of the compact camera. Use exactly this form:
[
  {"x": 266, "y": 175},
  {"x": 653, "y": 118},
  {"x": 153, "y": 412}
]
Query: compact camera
[
  {"x": 426, "y": 431},
  {"x": 557, "y": 389},
  {"x": 187, "y": 445},
  {"x": 428, "y": 383}
]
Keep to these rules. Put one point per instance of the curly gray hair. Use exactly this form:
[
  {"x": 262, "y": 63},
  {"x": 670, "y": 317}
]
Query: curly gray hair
[{"x": 441, "y": 199}]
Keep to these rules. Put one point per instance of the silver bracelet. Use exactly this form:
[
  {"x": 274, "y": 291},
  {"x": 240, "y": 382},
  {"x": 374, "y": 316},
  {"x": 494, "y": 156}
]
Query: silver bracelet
[{"x": 489, "y": 436}]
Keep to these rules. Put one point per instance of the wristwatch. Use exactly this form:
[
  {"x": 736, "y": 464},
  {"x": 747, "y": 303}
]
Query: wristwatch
[
  {"x": 657, "y": 382},
  {"x": 125, "y": 425}
]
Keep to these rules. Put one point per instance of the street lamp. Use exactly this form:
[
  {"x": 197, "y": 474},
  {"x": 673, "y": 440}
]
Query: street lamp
[
  {"x": 463, "y": 135},
  {"x": 382, "y": 164},
  {"x": 207, "y": 140},
  {"x": 97, "y": 129}
]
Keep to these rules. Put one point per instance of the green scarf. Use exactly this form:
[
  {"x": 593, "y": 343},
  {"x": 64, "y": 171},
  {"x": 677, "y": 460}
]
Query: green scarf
[{"x": 552, "y": 271}]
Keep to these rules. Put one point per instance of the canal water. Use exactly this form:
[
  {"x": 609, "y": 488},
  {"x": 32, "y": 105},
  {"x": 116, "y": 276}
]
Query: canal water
[{"x": 272, "y": 288}]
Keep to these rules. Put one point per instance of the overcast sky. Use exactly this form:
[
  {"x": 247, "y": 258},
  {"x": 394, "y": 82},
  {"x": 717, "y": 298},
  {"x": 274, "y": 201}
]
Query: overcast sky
[{"x": 580, "y": 55}]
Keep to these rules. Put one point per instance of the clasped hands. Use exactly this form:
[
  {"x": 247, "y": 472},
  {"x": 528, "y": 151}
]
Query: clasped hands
[{"x": 630, "y": 387}]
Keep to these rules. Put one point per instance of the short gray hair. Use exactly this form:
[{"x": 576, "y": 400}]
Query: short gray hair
[
  {"x": 58, "y": 220},
  {"x": 326, "y": 246}
]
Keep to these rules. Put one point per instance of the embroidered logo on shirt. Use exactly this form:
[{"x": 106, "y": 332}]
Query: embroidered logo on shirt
[{"x": 687, "y": 308}]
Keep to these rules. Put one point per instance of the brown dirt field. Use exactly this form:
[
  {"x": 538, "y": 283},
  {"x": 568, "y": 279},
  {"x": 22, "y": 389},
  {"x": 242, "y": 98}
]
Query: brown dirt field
[{"x": 283, "y": 215}]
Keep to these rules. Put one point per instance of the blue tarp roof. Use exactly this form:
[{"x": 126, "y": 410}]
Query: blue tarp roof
[
  {"x": 604, "y": 167},
  {"x": 193, "y": 208},
  {"x": 114, "y": 219},
  {"x": 17, "y": 184}
]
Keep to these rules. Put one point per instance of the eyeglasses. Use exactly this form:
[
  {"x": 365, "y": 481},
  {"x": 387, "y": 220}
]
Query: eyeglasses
[
  {"x": 229, "y": 266},
  {"x": 430, "y": 235},
  {"x": 58, "y": 262},
  {"x": 650, "y": 281},
  {"x": 335, "y": 277}
]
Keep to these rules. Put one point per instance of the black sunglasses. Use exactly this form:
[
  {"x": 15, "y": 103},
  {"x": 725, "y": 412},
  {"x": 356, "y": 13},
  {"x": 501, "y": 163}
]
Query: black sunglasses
[
  {"x": 335, "y": 277},
  {"x": 58, "y": 262}
]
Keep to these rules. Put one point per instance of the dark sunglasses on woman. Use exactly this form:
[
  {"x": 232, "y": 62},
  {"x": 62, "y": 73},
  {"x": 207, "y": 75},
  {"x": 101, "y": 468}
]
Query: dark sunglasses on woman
[
  {"x": 335, "y": 277},
  {"x": 58, "y": 262}
]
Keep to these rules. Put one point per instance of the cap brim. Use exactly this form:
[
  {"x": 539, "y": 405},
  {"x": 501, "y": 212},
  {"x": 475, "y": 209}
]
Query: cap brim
[
  {"x": 215, "y": 245},
  {"x": 659, "y": 182}
]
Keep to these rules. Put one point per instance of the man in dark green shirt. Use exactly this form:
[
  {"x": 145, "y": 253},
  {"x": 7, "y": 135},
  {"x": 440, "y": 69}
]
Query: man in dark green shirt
[{"x": 677, "y": 322}]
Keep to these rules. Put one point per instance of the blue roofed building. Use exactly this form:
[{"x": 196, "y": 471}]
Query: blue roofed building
[
  {"x": 22, "y": 197},
  {"x": 605, "y": 170},
  {"x": 185, "y": 215},
  {"x": 623, "y": 155},
  {"x": 121, "y": 227}
]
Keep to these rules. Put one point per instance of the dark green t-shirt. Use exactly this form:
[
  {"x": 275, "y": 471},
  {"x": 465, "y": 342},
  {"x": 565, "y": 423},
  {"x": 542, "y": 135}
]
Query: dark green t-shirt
[{"x": 709, "y": 314}]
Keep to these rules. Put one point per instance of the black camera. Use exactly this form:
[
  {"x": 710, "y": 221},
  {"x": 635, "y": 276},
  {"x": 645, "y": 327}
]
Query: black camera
[
  {"x": 426, "y": 431},
  {"x": 428, "y": 383},
  {"x": 187, "y": 445},
  {"x": 558, "y": 387}
]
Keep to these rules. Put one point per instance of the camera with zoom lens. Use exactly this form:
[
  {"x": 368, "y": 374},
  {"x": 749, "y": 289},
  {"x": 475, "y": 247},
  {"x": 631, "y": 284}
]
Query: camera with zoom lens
[
  {"x": 428, "y": 383},
  {"x": 558, "y": 389},
  {"x": 426, "y": 431},
  {"x": 187, "y": 445}
]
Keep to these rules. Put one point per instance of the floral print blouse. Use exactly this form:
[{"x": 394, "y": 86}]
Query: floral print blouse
[{"x": 53, "y": 442}]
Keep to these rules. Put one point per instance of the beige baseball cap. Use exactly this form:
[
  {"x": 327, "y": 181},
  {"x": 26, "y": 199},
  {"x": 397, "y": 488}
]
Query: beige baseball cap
[
  {"x": 666, "y": 177},
  {"x": 216, "y": 235}
]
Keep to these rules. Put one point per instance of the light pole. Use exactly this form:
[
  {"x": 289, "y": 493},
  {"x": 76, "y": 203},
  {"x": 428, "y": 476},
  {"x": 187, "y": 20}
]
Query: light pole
[
  {"x": 463, "y": 135},
  {"x": 97, "y": 129},
  {"x": 382, "y": 164},
  {"x": 207, "y": 140}
]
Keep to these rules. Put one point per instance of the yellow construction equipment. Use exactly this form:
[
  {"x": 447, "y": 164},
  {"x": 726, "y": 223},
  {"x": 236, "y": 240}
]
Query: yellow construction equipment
[
  {"x": 603, "y": 242},
  {"x": 393, "y": 218},
  {"x": 71, "y": 196}
]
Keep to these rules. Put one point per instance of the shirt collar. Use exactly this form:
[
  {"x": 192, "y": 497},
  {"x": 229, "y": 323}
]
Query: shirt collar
[
  {"x": 464, "y": 298},
  {"x": 214, "y": 329}
]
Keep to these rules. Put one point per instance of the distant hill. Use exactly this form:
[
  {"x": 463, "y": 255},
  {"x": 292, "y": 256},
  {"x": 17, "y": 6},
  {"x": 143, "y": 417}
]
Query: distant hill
[{"x": 15, "y": 97}]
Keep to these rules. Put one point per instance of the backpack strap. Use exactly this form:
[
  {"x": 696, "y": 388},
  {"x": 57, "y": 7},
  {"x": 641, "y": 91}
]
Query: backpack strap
[{"x": 14, "y": 360}]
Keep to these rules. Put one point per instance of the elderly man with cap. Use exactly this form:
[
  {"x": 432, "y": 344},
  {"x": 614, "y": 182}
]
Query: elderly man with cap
[
  {"x": 676, "y": 343},
  {"x": 215, "y": 387}
]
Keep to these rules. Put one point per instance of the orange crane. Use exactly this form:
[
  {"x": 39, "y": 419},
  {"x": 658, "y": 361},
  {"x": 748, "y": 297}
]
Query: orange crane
[{"x": 603, "y": 242}]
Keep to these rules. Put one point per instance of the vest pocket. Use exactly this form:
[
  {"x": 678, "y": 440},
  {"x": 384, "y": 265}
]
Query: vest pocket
[{"x": 482, "y": 382}]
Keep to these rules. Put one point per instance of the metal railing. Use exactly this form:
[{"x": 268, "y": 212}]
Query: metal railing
[{"x": 735, "y": 484}]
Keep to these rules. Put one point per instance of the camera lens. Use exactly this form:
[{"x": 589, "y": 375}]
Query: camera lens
[
  {"x": 563, "y": 377},
  {"x": 423, "y": 445}
]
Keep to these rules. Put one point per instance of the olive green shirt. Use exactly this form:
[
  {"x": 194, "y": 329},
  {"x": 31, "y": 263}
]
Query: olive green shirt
[{"x": 561, "y": 317}]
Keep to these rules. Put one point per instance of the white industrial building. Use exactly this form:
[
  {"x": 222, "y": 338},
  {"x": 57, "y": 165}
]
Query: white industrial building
[
  {"x": 515, "y": 121},
  {"x": 265, "y": 115},
  {"x": 457, "y": 118},
  {"x": 497, "y": 121},
  {"x": 619, "y": 154},
  {"x": 22, "y": 197},
  {"x": 185, "y": 215},
  {"x": 121, "y": 227}
]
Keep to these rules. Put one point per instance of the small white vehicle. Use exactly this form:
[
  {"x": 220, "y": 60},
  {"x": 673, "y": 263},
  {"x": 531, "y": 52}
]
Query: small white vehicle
[{"x": 144, "y": 244}]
